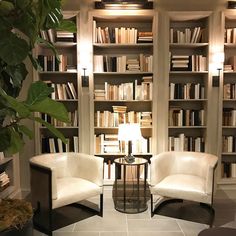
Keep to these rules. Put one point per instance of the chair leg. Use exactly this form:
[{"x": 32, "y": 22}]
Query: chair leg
[
  {"x": 101, "y": 205},
  {"x": 152, "y": 213}
]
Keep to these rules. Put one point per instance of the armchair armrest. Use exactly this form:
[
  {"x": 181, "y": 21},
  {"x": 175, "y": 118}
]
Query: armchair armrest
[
  {"x": 91, "y": 168},
  {"x": 38, "y": 171},
  {"x": 212, "y": 162},
  {"x": 160, "y": 168}
]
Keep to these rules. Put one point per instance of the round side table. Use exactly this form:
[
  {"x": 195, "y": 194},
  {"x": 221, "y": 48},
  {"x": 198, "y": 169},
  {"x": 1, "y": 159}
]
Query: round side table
[
  {"x": 218, "y": 231},
  {"x": 130, "y": 194}
]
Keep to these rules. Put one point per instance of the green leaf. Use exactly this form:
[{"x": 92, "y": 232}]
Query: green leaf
[
  {"x": 19, "y": 107},
  {"x": 67, "y": 25},
  {"x": 18, "y": 74},
  {"x": 16, "y": 141},
  {"x": 34, "y": 62},
  {"x": 4, "y": 139},
  {"x": 6, "y": 112},
  {"x": 51, "y": 128},
  {"x": 13, "y": 49},
  {"x": 26, "y": 23},
  {"x": 4, "y": 24},
  {"x": 38, "y": 91},
  {"x": 25, "y": 130},
  {"x": 53, "y": 108},
  {"x": 22, "y": 4},
  {"x": 5, "y": 8}
]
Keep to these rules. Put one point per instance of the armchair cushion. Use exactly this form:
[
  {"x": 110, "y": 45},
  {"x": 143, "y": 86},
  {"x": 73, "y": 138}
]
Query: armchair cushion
[
  {"x": 183, "y": 187},
  {"x": 70, "y": 190}
]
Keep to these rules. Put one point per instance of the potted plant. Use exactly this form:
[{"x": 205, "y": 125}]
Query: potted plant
[{"x": 20, "y": 24}]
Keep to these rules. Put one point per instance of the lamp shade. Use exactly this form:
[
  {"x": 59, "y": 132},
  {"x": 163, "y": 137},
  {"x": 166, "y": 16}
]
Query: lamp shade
[{"x": 129, "y": 132}]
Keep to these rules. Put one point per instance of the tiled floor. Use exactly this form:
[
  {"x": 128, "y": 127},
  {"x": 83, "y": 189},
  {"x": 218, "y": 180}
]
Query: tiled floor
[{"x": 115, "y": 223}]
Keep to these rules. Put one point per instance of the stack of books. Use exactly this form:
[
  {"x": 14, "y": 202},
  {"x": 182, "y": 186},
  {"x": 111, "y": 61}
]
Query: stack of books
[
  {"x": 133, "y": 64},
  {"x": 119, "y": 109},
  {"x": 99, "y": 94},
  {"x": 180, "y": 63},
  {"x": 64, "y": 36},
  {"x": 4, "y": 180},
  {"x": 145, "y": 37}
]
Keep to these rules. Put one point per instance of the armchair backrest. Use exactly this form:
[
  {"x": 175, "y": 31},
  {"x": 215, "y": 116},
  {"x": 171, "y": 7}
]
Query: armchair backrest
[
  {"x": 73, "y": 164},
  {"x": 190, "y": 163}
]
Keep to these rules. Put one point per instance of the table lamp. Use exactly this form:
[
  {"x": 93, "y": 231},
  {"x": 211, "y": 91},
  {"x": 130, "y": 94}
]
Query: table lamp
[{"x": 129, "y": 132}]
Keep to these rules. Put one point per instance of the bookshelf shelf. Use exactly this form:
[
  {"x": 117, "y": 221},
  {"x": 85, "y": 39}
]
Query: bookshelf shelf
[
  {"x": 188, "y": 80},
  {"x": 125, "y": 79},
  {"x": 188, "y": 45},
  {"x": 57, "y": 72},
  {"x": 63, "y": 77},
  {"x": 123, "y": 45},
  {"x": 188, "y": 100},
  {"x": 9, "y": 176},
  {"x": 189, "y": 72},
  {"x": 123, "y": 73},
  {"x": 228, "y": 149},
  {"x": 187, "y": 127}
]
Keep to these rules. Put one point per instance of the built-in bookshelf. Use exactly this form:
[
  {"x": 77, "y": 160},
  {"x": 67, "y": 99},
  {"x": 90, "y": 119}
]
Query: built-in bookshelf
[
  {"x": 9, "y": 177},
  {"x": 122, "y": 82},
  {"x": 62, "y": 76},
  {"x": 188, "y": 80},
  {"x": 228, "y": 139}
]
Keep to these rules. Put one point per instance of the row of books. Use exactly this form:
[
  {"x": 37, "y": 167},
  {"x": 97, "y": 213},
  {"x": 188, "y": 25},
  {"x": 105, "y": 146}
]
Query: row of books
[
  {"x": 230, "y": 35},
  {"x": 63, "y": 91},
  {"x": 135, "y": 63},
  {"x": 229, "y": 117},
  {"x": 50, "y": 63},
  {"x": 188, "y": 63},
  {"x": 186, "y": 143},
  {"x": 130, "y": 174},
  {"x": 4, "y": 180},
  {"x": 125, "y": 91},
  {"x": 113, "y": 119},
  {"x": 229, "y": 91},
  {"x": 188, "y": 35},
  {"x": 228, "y": 170},
  {"x": 73, "y": 119},
  {"x": 180, "y": 117},
  {"x": 186, "y": 91},
  {"x": 108, "y": 143},
  {"x": 120, "y": 35},
  {"x": 53, "y": 145},
  {"x": 57, "y": 36},
  {"x": 229, "y": 143}
]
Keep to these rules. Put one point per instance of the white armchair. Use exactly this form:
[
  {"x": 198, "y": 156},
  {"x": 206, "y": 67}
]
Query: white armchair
[
  {"x": 61, "y": 179},
  {"x": 183, "y": 175}
]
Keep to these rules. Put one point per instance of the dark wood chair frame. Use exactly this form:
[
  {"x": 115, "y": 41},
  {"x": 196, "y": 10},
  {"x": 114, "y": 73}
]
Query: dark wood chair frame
[{"x": 41, "y": 197}]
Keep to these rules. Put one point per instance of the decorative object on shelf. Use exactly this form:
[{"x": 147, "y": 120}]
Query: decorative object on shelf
[
  {"x": 129, "y": 132},
  {"x": 231, "y": 4},
  {"x": 85, "y": 79},
  {"x": 123, "y": 4}
]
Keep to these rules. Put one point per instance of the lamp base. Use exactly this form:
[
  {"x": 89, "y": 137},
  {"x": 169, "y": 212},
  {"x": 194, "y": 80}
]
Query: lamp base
[{"x": 129, "y": 158}]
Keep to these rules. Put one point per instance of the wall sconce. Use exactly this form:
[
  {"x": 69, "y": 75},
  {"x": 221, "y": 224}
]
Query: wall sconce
[
  {"x": 123, "y": 4},
  {"x": 85, "y": 79},
  {"x": 216, "y": 79},
  {"x": 218, "y": 60}
]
